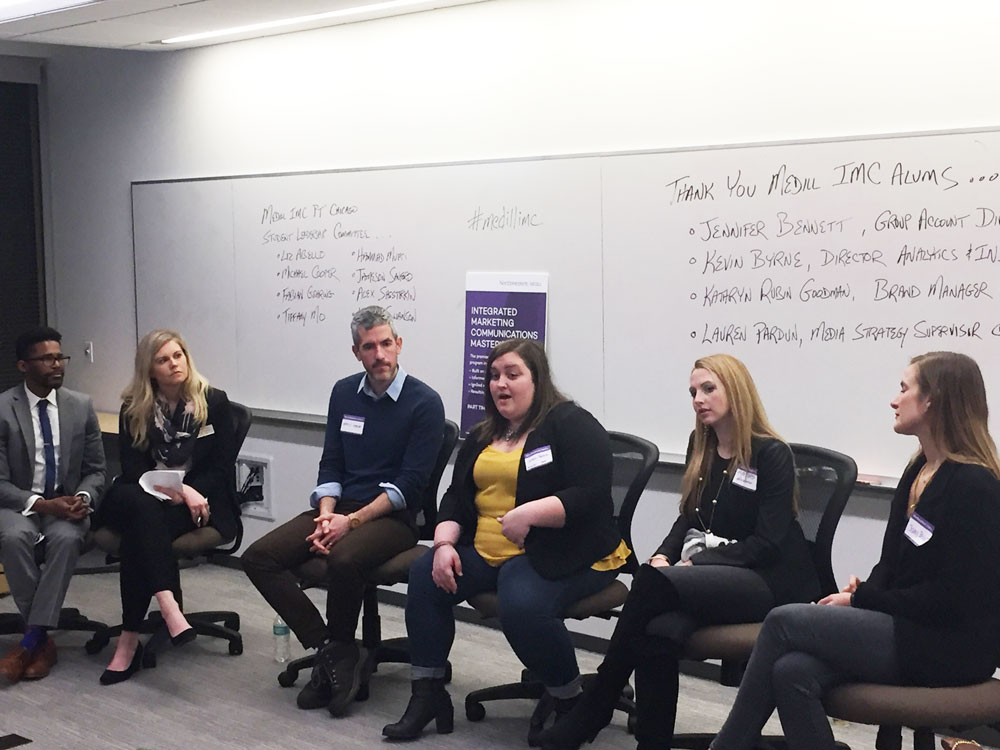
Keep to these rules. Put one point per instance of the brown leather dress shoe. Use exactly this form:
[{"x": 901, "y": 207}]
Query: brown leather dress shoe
[
  {"x": 45, "y": 658},
  {"x": 14, "y": 663}
]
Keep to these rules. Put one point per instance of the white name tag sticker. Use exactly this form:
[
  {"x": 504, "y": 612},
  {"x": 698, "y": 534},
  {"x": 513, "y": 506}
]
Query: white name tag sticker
[
  {"x": 352, "y": 424},
  {"x": 538, "y": 457},
  {"x": 746, "y": 478},
  {"x": 206, "y": 431},
  {"x": 919, "y": 530}
]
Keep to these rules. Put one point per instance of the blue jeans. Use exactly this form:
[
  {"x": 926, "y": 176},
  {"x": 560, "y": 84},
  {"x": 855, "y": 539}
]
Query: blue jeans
[{"x": 531, "y": 614}]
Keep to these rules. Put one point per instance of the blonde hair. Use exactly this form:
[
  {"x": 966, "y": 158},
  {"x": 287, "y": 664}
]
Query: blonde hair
[
  {"x": 958, "y": 414},
  {"x": 140, "y": 393},
  {"x": 749, "y": 421}
]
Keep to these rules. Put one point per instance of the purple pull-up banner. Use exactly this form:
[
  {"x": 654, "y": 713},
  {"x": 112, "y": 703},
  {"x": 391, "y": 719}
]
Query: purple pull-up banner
[{"x": 498, "y": 306}]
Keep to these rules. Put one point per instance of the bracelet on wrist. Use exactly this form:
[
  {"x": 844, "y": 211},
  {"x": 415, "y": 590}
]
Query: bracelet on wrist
[{"x": 443, "y": 543}]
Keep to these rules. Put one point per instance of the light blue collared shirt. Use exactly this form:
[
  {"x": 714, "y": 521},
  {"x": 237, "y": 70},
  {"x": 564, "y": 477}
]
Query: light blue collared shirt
[{"x": 334, "y": 489}]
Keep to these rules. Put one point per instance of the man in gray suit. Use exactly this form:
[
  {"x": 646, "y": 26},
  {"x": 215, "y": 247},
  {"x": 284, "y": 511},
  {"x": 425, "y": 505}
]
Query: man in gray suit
[{"x": 51, "y": 477}]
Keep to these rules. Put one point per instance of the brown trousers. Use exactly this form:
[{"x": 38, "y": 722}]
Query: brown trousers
[{"x": 270, "y": 560}]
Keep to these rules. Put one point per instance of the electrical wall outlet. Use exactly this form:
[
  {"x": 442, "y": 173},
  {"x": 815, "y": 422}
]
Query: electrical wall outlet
[
  {"x": 253, "y": 485},
  {"x": 88, "y": 351}
]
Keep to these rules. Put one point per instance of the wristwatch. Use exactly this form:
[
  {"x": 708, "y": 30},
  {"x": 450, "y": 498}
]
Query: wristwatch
[{"x": 353, "y": 521}]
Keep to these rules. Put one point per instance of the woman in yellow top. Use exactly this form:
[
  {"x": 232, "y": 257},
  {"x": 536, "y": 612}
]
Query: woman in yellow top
[{"x": 528, "y": 515}]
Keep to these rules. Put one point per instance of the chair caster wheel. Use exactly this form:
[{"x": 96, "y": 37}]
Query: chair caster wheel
[
  {"x": 232, "y": 623},
  {"x": 235, "y": 648},
  {"x": 286, "y": 678},
  {"x": 475, "y": 711},
  {"x": 95, "y": 644}
]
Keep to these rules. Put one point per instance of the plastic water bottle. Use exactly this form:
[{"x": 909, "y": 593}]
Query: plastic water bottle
[{"x": 282, "y": 640}]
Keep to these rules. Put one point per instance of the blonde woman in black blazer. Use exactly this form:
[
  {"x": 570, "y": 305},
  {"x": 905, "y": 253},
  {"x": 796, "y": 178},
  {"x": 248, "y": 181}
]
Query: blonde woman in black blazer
[
  {"x": 171, "y": 419},
  {"x": 734, "y": 552}
]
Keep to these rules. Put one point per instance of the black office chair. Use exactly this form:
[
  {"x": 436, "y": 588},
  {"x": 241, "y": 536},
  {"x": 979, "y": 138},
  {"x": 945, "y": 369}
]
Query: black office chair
[
  {"x": 634, "y": 461},
  {"x": 312, "y": 574},
  {"x": 202, "y": 543},
  {"x": 825, "y": 480}
]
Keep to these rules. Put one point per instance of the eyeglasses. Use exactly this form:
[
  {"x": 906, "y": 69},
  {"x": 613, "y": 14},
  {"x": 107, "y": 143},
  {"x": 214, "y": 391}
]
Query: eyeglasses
[{"x": 51, "y": 359}]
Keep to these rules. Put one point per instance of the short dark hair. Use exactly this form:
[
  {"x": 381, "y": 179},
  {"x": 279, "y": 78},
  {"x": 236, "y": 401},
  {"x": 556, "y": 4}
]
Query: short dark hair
[{"x": 22, "y": 347}]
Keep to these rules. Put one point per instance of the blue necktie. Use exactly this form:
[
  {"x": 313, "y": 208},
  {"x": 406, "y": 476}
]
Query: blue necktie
[{"x": 49, "y": 447}]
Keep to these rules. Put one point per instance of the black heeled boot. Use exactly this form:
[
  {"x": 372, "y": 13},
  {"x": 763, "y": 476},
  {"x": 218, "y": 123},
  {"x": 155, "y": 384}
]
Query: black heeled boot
[
  {"x": 656, "y": 689},
  {"x": 651, "y": 595},
  {"x": 429, "y": 700},
  {"x": 548, "y": 706}
]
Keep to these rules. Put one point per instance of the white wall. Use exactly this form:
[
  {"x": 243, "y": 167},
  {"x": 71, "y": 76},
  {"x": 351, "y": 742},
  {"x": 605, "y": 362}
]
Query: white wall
[{"x": 497, "y": 79}]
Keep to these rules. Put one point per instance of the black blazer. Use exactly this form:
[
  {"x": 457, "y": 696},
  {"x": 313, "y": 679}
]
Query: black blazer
[
  {"x": 579, "y": 475},
  {"x": 212, "y": 470},
  {"x": 769, "y": 539},
  {"x": 944, "y": 595}
]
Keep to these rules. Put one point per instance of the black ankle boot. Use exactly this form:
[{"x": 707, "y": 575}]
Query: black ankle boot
[{"x": 429, "y": 700}]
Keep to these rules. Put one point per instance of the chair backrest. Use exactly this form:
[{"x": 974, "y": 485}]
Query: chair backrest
[
  {"x": 634, "y": 459},
  {"x": 242, "y": 419},
  {"x": 826, "y": 479},
  {"x": 427, "y": 517}
]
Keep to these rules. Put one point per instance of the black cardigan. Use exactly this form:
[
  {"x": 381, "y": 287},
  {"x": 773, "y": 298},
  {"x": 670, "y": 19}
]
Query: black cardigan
[
  {"x": 769, "y": 539},
  {"x": 579, "y": 475},
  {"x": 944, "y": 595},
  {"x": 212, "y": 470}
]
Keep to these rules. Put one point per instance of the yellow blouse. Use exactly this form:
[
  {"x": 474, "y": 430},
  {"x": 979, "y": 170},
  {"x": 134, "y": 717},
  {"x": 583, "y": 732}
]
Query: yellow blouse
[{"x": 495, "y": 475}]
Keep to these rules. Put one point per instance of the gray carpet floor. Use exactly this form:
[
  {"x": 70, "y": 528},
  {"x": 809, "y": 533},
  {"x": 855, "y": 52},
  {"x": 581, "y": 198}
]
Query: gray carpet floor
[{"x": 201, "y": 697}]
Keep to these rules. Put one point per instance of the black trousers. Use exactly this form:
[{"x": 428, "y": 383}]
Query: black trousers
[
  {"x": 663, "y": 608},
  {"x": 148, "y": 527}
]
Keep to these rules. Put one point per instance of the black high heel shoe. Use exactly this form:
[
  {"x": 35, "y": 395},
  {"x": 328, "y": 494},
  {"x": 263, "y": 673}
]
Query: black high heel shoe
[
  {"x": 429, "y": 701},
  {"x": 185, "y": 636},
  {"x": 114, "y": 676}
]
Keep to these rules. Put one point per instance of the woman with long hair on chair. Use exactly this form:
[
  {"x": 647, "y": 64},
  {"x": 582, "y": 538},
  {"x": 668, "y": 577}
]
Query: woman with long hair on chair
[
  {"x": 929, "y": 613},
  {"x": 735, "y": 551},
  {"x": 170, "y": 419}
]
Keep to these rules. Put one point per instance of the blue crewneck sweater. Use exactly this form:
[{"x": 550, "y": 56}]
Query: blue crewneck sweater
[{"x": 398, "y": 445}]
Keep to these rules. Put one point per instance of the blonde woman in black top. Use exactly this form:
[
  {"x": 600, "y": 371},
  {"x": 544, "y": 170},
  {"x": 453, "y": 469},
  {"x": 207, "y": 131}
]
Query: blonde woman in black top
[{"x": 734, "y": 552}]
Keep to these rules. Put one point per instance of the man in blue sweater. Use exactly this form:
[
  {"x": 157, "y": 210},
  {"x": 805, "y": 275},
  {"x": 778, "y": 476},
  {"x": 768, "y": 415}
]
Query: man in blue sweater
[{"x": 383, "y": 433}]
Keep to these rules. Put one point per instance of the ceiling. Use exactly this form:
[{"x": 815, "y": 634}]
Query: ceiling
[{"x": 141, "y": 24}]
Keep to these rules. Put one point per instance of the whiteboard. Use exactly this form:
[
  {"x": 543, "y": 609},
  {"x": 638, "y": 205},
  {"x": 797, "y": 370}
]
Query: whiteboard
[
  {"x": 860, "y": 255},
  {"x": 262, "y": 274},
  {"x": 824, "y": 265}
]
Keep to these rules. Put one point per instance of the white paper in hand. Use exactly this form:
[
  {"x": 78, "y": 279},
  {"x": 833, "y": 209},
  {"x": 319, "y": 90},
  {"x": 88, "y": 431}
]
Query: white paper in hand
[{"x": 171, "y": 478}]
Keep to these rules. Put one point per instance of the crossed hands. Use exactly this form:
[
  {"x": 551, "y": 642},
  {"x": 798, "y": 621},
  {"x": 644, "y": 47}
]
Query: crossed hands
[
  {"x": 66, "y": 507},
  {"x": 843, "y": 598},
  {"x": 330, "y": 529}
]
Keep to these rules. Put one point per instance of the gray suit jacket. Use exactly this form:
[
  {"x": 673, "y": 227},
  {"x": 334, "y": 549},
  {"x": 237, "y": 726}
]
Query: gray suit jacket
[{"x": 81, "y": 451}]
